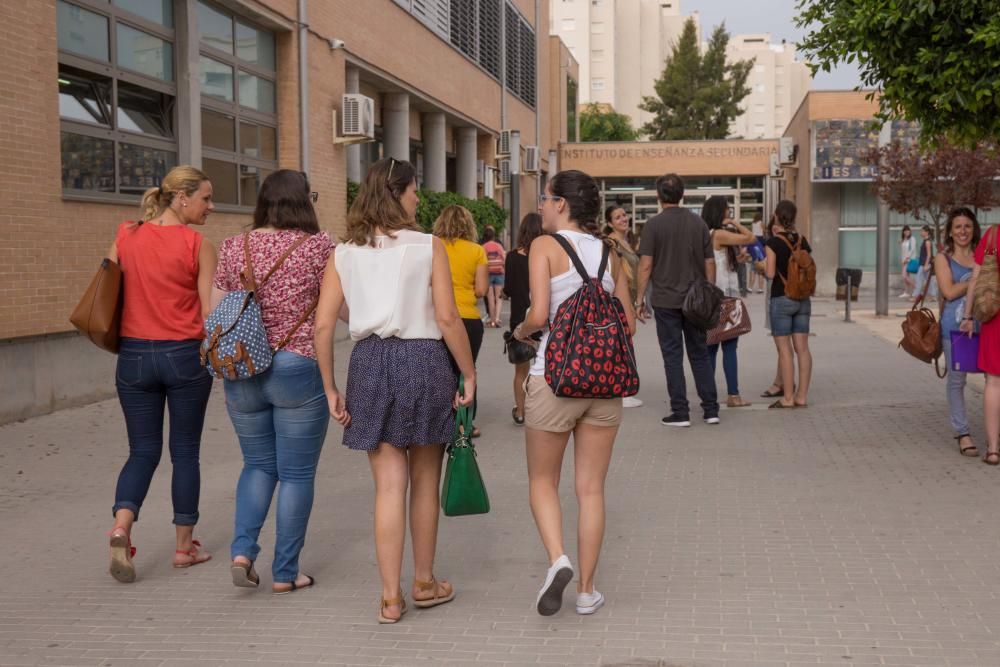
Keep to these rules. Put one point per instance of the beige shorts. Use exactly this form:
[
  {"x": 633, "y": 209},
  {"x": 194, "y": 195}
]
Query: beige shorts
[{"x": 545, "y": 411}]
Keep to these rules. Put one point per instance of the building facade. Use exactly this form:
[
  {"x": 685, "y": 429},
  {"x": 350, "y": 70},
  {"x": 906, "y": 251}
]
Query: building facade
[
  {"x": 103, "y": 97},
  {"x": 778, "y": 83}
]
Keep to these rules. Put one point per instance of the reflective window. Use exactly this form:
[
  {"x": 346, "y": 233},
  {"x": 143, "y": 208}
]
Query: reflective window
[
  {"x": 258, "y": 141},
  {"x": 88, "y": 163},
  {"x": 144, "y": 110},
  {"x": 84, "y": 96},
  {"x": 157, "y": 11},
  {"x": 256, "y": 93},
  {"x": 142, "y": 167},
  {"x": 82, "y": 31},
  {"x": 250, "y": 179},
  {"x": 216, "y": 79},
  {"x": 145, "y": 53},
  {"x": 218, "y": 130},
  {"x": 255, "y": 46},
  {"x": 216, "y": 28},
  {"x": 223, "y": 177}
]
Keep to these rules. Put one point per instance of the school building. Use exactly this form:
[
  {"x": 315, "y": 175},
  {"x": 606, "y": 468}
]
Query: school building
[{"x": 102, "y": 97}]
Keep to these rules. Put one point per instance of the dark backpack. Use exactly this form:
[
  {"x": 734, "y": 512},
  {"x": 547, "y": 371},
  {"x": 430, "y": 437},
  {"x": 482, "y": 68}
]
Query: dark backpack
[
  {"x": 589, "y": 353},
  {"x": 800, "y": 283},
  {"x": 702, "y": 304}
]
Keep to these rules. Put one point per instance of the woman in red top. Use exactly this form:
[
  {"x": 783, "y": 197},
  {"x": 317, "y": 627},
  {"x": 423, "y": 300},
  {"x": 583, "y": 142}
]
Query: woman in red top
[
  {"x": 495, "y": 258},
  {"x": 167, "y": 269},
  {"x": 989, "y": 350}
]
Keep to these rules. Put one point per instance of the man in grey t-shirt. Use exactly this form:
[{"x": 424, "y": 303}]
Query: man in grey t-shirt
[{"x": 676, "y": 250}]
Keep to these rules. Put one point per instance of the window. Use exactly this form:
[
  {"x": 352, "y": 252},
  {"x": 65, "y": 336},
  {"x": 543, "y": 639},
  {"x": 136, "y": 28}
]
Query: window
[
  {"x": 571, "y": 93},
  {"x": 758, "y": 108},
  {"x": 759, "y": 69},
  {"x": 760, "y": 88},
  {"x": 597, "y": 27},
  {"x": 597, "y": 55},
  {"x": 597, "y": 84},
  {"x": 238, "y": 104},
  {"x": 116, "y": 94},
  {"x": 568, "y": 25}
]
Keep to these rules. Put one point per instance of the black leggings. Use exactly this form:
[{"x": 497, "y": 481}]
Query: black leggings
[{"x": 475, "y": 329}]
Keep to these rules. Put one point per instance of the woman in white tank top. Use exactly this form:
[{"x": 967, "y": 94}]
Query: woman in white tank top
[
  {"x": 570, "y": 207},
  {"x": 397, "y": 286},
  {"x": 727, "y": 236}
]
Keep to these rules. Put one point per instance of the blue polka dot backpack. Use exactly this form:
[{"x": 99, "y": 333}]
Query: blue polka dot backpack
[{"x": 235, "y": 345}]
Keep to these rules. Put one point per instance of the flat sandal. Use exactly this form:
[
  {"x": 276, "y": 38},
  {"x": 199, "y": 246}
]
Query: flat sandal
[
  {"x": 434, "y": 585},
  {"x": 383, "y": 603}
]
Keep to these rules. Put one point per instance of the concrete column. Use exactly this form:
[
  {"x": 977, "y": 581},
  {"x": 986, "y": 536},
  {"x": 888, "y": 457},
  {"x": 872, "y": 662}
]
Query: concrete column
[
  {"x": 465, "y": 164},
  {"x": 353, "y": 85},
  {"x": 188, "y": 84},
  {"x": 435, "y": 172},
  {"x": 396, "y": 125}
]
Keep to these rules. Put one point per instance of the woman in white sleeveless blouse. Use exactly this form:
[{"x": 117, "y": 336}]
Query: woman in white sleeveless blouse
[{"x": 401, "y": 387}]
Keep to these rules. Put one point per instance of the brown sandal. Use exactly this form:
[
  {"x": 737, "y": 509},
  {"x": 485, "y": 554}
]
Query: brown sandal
[
  {"x": 434, "y": 585},
  {"x": 968, "y": 450},
  {"x": 397, "y": 601},
  {"x": 737, "y": 402},
  {"x": 992, "y": 458}
]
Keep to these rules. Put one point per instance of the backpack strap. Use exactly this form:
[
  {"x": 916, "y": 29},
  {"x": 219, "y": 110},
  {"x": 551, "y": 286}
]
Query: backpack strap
[
  {"x": 291, "y": 332},
  {"x": 578, "y": 264},
  {"x": 249, "y": 282},
  {"x": 791, "y": 249}
]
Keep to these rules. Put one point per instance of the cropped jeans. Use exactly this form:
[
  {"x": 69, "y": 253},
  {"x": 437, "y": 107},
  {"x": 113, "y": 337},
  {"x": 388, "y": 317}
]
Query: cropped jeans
[
  {"x": 956, "y": 390},
  {"x": 280, "y": 417},
  {"x": 151, "y": 375}
]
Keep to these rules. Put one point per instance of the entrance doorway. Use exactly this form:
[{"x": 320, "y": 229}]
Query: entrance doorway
[{"x": 641, "y": 205}]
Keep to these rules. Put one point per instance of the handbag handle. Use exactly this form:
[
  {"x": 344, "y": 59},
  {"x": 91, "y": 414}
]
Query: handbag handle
[
  {"x": 923, "y": 294},
  {"x": 463, "y": 419}
]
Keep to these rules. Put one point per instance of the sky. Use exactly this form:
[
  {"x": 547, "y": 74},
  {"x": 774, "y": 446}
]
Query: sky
[{"x": 774, "y": 16}]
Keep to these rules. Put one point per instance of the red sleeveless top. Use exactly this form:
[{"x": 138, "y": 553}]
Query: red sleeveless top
[{"x": 160, "y": 278}]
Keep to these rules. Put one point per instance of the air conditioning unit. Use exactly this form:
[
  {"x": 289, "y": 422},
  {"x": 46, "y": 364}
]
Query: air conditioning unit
[
  {"x": 503, "y": 173},
  {"x": 503, "y": 143},
  {"x": 489, "y": 182},
  {"x": 358, "y": 119},
  {"x": 532, "y": 159}
]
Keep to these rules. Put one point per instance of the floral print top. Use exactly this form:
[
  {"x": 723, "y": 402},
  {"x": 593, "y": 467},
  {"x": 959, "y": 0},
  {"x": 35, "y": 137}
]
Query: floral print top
[{"x": 290, "y": 291}]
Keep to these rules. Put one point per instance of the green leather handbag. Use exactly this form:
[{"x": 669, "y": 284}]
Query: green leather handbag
[{"x": 463, "y": 491}]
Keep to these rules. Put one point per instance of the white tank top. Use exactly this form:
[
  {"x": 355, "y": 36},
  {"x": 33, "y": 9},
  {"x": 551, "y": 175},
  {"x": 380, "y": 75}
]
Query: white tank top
[
  {"x": 388, "y": 287},
  {"x": 725, "y": 278},
  {"x": 563, "y": 286}
]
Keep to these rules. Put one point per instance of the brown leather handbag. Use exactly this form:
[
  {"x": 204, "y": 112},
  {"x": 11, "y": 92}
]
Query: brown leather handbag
[
  {"x": 922, "y": 332},
  {"x": 986, "y": 298},
  {"x": 99, "y": 312},
  {"x": 734, "y": 320}
]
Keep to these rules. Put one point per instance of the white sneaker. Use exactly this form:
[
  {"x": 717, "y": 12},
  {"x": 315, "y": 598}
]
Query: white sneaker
[
  {"x": 631, "y": 402},
  {"x": 588, "y": 603},
  {"x": 550, "y": 597},
  {"x": 903, "y": 295}
]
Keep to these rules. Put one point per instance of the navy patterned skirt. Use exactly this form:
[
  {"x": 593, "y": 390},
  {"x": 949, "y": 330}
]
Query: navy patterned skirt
[{"x": 400, "y": 392}]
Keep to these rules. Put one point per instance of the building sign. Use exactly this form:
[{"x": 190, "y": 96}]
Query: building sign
[
  {"x": 653, "y": 158},
  {"x": 840, "y": 148},
  {"x": 666, "y": 152}
]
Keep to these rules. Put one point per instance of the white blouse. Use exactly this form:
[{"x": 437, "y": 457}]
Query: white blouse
[{"x": 388, "y": 287}]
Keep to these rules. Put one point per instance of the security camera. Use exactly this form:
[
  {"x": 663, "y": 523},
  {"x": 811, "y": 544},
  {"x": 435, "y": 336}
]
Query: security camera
[{"x": 336, "y": 44}]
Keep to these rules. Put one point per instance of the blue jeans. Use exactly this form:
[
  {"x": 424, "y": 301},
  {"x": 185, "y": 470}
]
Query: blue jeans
[
  {"x": 956, "y": 390},
  {"x": 280, "y": 417},
  {"x": 729, "y": 364},
  {"x": 152, "y": 373},
  {"x": 675, "y": 333}
]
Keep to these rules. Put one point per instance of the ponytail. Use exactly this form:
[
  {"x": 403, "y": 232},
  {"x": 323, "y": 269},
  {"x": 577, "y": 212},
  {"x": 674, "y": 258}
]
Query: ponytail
[{"x": 184, "y": 178}]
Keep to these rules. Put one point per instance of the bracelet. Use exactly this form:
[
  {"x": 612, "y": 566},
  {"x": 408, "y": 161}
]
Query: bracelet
[{"x": 967, "y": 318}]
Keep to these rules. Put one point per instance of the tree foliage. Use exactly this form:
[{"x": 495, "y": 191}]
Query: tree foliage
[
  {"x": 600, "y": 123},
  {"x": 697, "y": 95},
  {"x": 927, "y": 183},
  {"x": 931, "y": 61},
  {"x": 484, "y": 211}
]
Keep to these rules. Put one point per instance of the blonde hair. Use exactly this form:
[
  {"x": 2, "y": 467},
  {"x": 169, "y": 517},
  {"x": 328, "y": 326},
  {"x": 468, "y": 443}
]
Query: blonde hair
[
  {"x": 377, "y": 206},
  {"x": 456, "y": 222},
  {"x": 183, "y": 178}
]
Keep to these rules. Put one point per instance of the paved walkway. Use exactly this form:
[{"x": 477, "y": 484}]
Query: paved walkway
[{"x": 848, "y": 533}]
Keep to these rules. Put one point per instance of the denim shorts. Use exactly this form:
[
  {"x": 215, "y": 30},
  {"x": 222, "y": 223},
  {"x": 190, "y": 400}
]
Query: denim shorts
[
  {"x": 496, "y": 279},
  {"x": 789, "y": 316}
]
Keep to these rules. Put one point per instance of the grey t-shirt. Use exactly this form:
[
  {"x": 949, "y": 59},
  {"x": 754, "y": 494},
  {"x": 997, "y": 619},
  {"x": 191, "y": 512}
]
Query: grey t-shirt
[{"x": 679, "y": 243}]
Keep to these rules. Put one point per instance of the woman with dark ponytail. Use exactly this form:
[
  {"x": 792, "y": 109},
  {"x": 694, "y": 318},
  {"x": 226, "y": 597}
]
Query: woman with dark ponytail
[
  {"x": 570, "y": 208},
  {"x": 789, "y": 317}
]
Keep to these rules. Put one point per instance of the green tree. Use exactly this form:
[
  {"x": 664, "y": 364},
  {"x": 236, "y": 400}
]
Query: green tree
[
  {"x": 600, "y": 123},
  {"x": 698, "y": 95},
  {"x": 931, "y": 61}
]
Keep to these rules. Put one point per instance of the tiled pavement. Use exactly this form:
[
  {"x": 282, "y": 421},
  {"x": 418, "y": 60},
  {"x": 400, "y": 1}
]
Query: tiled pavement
[{"x": 848, "y": 533}]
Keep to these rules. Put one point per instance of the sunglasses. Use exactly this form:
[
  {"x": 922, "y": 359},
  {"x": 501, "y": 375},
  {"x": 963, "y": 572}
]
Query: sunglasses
[{"x": 543, "y": 198}]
